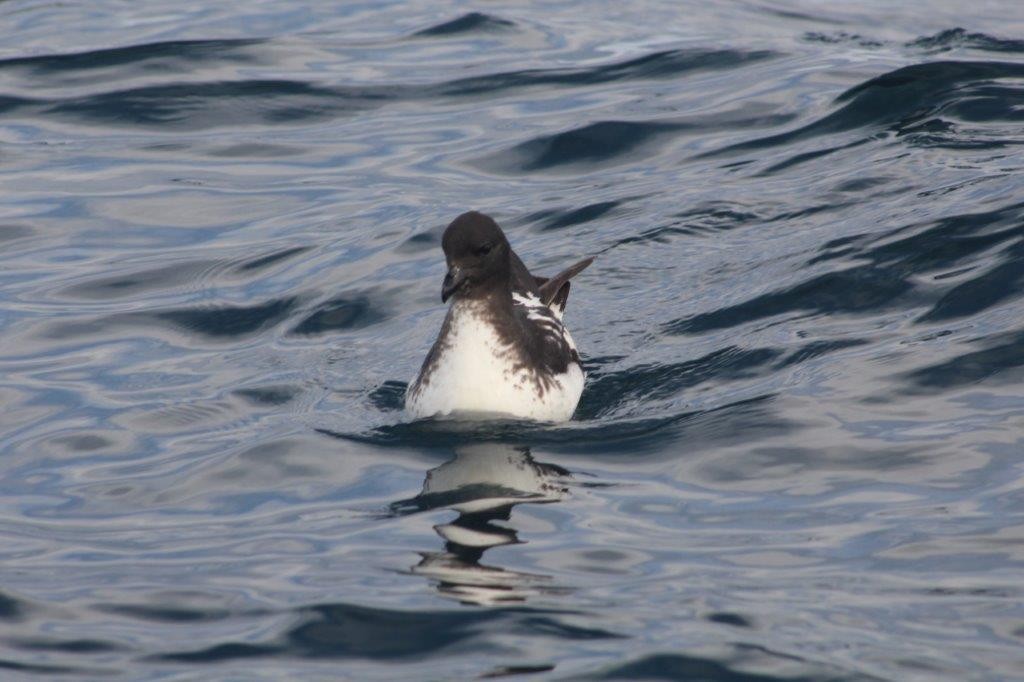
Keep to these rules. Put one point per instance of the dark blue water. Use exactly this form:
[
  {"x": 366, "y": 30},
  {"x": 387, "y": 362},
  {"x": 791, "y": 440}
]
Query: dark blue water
[{"x": 799, "y": 452}]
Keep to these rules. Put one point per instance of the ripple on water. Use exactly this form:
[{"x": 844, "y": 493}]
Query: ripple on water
[{"x": 798, "y": 453}]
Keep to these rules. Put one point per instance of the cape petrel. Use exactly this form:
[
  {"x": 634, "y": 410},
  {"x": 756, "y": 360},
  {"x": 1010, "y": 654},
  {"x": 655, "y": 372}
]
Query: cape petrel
[{"x": 503, "y": 350}]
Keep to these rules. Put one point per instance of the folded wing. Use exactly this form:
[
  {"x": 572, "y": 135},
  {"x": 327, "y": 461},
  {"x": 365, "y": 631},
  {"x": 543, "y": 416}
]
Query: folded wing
[{"x": 554, "y": 291}]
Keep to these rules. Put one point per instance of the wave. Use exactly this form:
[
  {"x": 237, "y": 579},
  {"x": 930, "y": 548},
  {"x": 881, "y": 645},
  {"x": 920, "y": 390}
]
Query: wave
[
  {"x": 471, "y": 23},
  {"x": 202, "y": 104},
  {"x": 879, "y": 271},
  {"x": 923, "y": 104}
]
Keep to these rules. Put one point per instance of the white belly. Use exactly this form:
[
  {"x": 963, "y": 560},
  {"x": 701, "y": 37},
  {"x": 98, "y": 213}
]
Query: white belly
[{"x": 476, "y": 376}]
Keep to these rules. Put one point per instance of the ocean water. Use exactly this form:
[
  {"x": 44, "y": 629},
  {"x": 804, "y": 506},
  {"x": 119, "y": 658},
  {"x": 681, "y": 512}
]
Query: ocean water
[{"x": 798, "y": 455}]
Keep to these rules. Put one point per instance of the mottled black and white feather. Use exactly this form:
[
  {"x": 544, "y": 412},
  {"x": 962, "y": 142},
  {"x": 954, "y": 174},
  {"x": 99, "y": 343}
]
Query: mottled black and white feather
[{"x": 503, "y": 349}]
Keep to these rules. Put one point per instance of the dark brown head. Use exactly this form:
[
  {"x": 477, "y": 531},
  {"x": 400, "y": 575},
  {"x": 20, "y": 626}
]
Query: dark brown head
[{"x": 477, "y": 254}]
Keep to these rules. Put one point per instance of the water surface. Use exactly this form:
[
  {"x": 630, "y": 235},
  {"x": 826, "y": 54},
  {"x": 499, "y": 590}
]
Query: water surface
[{"x": 798, "y": 455}]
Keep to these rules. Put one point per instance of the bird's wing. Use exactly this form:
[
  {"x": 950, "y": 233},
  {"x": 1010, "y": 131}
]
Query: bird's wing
[{"x": 554, "y": 291}]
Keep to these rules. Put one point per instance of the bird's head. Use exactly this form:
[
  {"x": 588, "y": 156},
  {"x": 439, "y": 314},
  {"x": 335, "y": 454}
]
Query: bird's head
[{"x": 477, "y": 254}]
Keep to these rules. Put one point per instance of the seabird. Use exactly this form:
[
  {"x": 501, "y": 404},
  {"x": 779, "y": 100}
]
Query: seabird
[{"x": 502, "y": 350}]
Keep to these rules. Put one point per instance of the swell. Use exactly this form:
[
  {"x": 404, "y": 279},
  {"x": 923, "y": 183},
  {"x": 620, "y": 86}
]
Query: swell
[
  {"x": 876, "y": 272},
  {"x": 230, "y": 323},
  {"x": 656, "y": 65},
  {"x": 939, "y": 103},
  {"x": 952, "y": 104},
  {"x": 343, "y": 631},
  {"x": 599, "y": 144},
  {"x": 202, "y": 105},
  {"x": 926, "y": 103},
  {"x": 615, "y": 437},
  {"x": 176, "y": 102},
  {"x": 955, "y": 38},
  {"x": 172, "y": 53},
  {"x": 964, "y": 270},
  {"x": 469, "y": 23},
  {"x": 325, "y": 630}
]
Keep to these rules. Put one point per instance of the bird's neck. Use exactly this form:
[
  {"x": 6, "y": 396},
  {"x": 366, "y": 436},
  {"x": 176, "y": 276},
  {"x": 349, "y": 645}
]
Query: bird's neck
[{"x": 496, "y": 291}]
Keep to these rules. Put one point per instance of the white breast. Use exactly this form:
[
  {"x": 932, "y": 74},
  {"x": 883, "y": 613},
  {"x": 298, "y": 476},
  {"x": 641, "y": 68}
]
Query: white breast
[{"x": 476, "y": 374}]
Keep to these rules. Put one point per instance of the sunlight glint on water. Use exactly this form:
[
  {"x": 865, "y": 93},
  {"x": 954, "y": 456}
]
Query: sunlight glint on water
[{"x": 797, "y": 455}]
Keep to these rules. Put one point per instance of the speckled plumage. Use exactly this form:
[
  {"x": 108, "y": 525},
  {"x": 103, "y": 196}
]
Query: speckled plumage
[{"x": 502, "y": 349}]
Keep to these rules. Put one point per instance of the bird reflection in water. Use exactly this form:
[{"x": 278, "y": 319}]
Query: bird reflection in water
[{"x": 483, "y": 482}]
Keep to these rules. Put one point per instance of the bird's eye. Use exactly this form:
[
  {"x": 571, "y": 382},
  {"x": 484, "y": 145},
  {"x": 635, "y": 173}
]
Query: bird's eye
[{"x": 483, "y": 250}]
